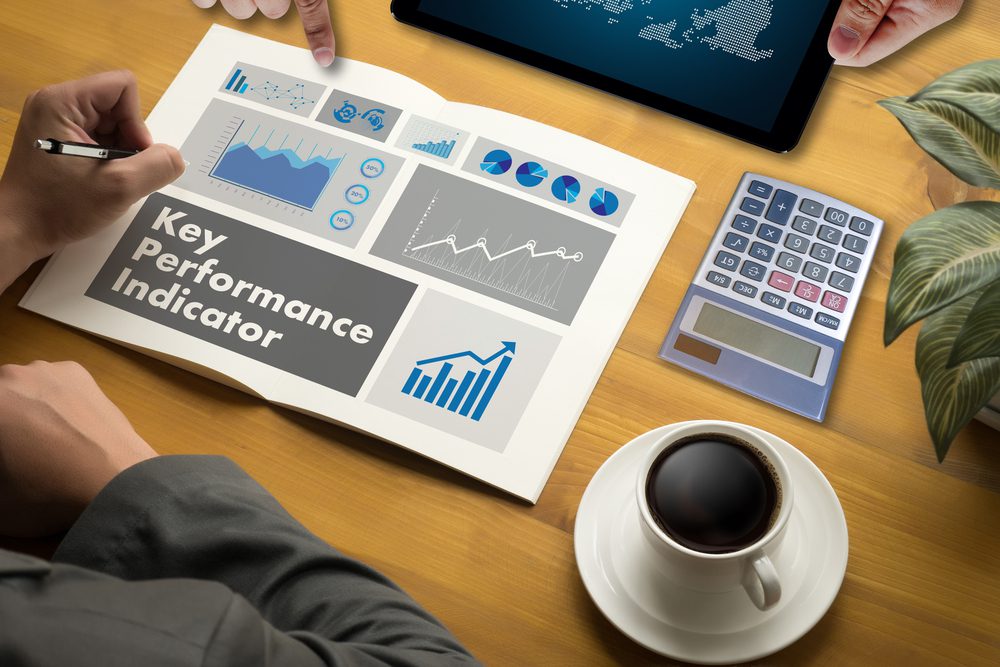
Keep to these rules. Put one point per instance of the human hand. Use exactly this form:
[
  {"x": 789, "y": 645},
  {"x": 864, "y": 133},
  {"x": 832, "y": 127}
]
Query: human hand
[
  {"x": 61, "y": 441},
  {"x": 47, "y": 201},
  {"x": 315, "y": 15},
  {"x": 865, "y": 31}
]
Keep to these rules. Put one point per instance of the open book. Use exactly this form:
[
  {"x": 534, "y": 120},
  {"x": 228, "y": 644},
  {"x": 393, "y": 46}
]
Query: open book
[{"x": 347, "y": 243}]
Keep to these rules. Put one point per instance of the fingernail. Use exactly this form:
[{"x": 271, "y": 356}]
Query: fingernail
[
  {"x": 845, "y": 41},
  {"x": 323, "y": 56}
]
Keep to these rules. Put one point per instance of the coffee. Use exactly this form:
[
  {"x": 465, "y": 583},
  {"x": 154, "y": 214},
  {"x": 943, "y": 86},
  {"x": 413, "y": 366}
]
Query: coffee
[{"x": 713, "y": 493}]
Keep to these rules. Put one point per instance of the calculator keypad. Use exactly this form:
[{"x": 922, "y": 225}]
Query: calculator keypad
[{"x": 795, "y": 251}]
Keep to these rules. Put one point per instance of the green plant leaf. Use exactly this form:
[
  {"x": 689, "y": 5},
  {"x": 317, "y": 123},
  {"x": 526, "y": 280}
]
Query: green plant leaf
[
  {"x": 941, "y": 258},
  {"x": 980, "y": 334},
  {"x": 974, "y": 88},
  {"x": 964, "y": 145},
  {"x": 952, "y": 396}
]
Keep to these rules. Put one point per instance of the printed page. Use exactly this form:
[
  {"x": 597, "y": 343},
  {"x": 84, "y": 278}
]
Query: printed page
[{"x": 346, "y": 243}]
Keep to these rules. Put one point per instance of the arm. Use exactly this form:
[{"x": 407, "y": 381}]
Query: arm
[{"x": 203, "y": 517}]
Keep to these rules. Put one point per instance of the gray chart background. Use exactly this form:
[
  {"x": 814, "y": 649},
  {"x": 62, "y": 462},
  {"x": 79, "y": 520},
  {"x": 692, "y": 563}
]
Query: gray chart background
[
  {"x": 436, "y": 205},
  {"x": 205, "y": 145},
  {"x": 343, "y": 287},
  {"x": 443, "y": 325}
]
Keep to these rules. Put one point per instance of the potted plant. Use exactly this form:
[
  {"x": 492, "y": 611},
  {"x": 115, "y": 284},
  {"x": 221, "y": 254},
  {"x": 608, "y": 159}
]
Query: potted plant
[{"x": 947, "y": 266}]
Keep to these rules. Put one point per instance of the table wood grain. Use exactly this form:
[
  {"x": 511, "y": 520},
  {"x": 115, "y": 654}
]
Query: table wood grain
[{"x": 923, "y": 579}]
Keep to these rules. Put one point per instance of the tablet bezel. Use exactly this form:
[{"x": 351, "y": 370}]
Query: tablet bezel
[{"x": 782, "y": 137}]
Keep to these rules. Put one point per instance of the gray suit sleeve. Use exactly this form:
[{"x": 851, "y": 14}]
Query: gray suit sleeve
[{"x": 200, "y": 517}]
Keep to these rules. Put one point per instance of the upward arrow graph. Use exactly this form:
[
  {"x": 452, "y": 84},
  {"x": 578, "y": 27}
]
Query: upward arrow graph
[{"x": 508, "y": 346}]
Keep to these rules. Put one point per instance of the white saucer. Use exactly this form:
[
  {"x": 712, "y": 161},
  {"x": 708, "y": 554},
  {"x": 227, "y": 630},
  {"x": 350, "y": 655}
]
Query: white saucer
[{"x": 625, "y": 579}]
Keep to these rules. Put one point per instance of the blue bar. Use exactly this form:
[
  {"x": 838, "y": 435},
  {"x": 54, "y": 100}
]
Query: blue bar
[
  {"x": 438, "y": 382},
  {"x": 484, "y": 375},
  {"x": 422, "y": 387},
  {"x": 462, "y": 388},
  {"x": 412, "y": 380},
  {"x": 448, "y": 388},
  {"x": 240, "y": 83},
  {"x": 236, "y": 75},
  {"x": 243, "y": 88},
  {"x": 491, "y": 389}
]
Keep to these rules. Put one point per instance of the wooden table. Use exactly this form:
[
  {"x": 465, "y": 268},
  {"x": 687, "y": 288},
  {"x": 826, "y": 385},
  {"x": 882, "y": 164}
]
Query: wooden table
[{"x": 923, "y": 579}]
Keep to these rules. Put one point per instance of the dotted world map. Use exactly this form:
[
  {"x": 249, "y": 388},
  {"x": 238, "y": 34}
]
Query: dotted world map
[{"x": 732, "y": 27}]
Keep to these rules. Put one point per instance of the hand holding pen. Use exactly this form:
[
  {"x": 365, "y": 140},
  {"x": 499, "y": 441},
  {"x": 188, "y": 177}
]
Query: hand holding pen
[{"x": 48, "y": 201}]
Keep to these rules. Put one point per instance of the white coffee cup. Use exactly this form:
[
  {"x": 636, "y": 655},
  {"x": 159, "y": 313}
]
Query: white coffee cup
[{"x": 749, "y": 567}]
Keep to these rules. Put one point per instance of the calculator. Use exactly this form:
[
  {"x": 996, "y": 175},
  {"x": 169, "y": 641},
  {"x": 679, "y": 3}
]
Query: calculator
[{"x": 769, "y": 309}]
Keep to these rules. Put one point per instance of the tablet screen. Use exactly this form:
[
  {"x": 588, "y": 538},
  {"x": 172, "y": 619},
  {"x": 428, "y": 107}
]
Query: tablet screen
[{"x": 734, "y": 58}]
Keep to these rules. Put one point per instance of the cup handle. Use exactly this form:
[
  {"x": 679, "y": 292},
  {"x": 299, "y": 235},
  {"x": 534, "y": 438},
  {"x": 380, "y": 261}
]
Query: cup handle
[{"x": 761, "y": 582}]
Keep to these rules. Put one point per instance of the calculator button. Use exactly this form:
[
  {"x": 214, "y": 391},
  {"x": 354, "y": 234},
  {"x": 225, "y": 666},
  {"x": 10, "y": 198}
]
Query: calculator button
[
  {"x": 736, "y": 242},
  {"x": 855, "y": 244},
  {"x": 834, "y": 301},
  {"x": 828, "y": 321},
  {"x": 758, "y": 189},
  {"x": 830, "y": 234},
  {"x": 810, "y": 207},
  {"x": 848, "y": 262},
  {"x": 836, "y": 216},
  {"x": 862, "y": 226},
  {"x": 799, "y": 310},
  {"x": 769, "y": 233},
  {"x": 781, "y": 281},
  {"x": 717, "y": 278},
  {"x": 804, "y": 225},
  {"x": 789, "y": 262},
  {"x": 781, "y": 207},
  {"x": 823, "y": 253},
  {"x": 727, "y": 260},
  {"x": 753, "y": 270},
  {"x": 807, "y": 291},
  {"x": 744, "y": 224},
  {"x": 796, "y": 243},
  {"x": 773, "y": 300},
  {"x": 841, "y": 281},
  {"x": 752, "y": 206},
  {"x": 741, "y": 287},
  {"x": 761, "y": 251},
  {"x": 815, "y": 271}
]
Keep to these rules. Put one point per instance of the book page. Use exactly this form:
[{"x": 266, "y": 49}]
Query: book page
[{"x": 344, "y": 242}]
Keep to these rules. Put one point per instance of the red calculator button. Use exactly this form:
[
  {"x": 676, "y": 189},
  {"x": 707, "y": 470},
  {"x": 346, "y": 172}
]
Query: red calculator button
[
  {"x": 834, "y": 301},
  {"x": 781, "y": 281},
  {"x": 807, "y": 291}
]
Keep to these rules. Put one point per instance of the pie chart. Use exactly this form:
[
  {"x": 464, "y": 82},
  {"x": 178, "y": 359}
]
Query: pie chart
[
  {"x": 496, "y": 162},
  {"x": 566, "y": 188},
  {"x": 531, "y": 174},
  {"x": 604, "y": 202}
]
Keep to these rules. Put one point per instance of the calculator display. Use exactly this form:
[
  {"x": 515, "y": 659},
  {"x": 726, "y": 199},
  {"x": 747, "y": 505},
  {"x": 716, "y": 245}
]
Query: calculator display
[{"x": 757, "y": 339}]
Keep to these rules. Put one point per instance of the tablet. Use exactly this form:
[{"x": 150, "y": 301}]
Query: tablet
[{"x": 752, "y": 69}]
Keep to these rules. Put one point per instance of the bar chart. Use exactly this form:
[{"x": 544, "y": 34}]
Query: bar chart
[
  {"x": 440, "y": 149},
  {"x": 441, "y": 381},
  {"x": 429, "y": 137}
]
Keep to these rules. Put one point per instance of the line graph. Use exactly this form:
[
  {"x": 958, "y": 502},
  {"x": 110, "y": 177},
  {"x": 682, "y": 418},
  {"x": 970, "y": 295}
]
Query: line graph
[
  {"x": 519, "y": 269},
  {"x": 486, "y": 241}
]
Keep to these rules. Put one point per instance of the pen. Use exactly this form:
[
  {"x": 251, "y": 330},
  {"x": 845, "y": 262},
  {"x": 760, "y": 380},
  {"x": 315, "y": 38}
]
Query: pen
[{"x": 82, "y": 150}]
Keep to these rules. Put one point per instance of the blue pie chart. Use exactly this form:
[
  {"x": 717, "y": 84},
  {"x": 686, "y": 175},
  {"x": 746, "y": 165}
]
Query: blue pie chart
[
  {"x": 604, "y": 202},
  {"x": 531, "y": 174},
  {"x": 566, "y": 188},
  {"x": 496, "y": 162}
]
